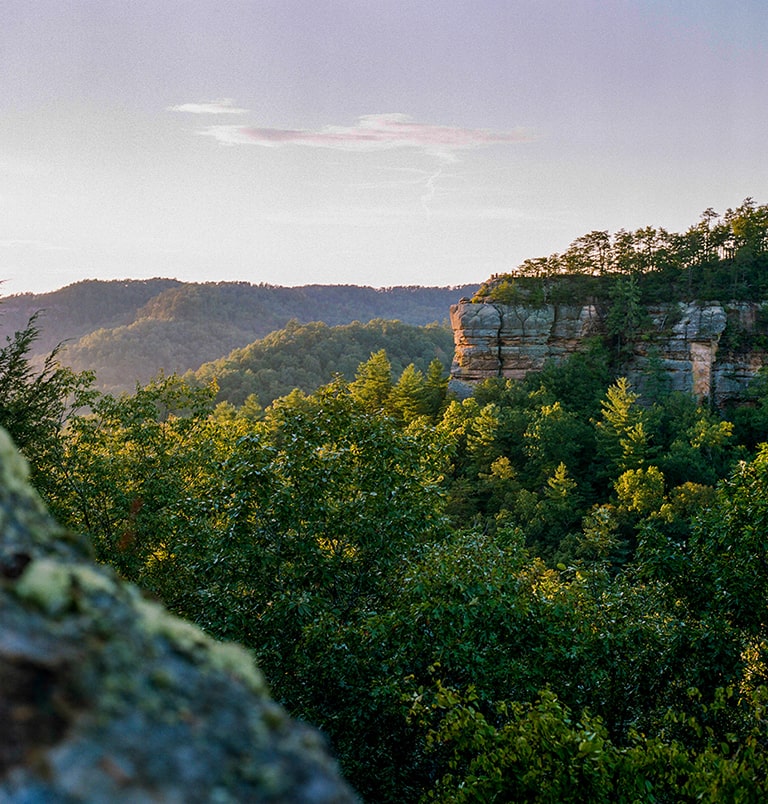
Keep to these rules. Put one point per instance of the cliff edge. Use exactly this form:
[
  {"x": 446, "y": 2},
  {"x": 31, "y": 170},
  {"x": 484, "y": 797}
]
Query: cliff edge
[{"x": 699, "y": 348}]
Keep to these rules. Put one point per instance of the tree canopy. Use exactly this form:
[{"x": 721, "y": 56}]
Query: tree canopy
[
  {"x": 720, "y": 257},
  {"x": 550, "y": 591}
]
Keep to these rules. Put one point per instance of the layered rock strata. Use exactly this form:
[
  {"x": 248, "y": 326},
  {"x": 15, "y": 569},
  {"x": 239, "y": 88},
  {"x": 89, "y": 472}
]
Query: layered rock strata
[
  {"x": 106, "y": 697},
  {"x": 685, "y": 343}
]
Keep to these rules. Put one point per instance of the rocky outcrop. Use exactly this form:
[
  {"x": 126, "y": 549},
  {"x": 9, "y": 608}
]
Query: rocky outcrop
[
  {"x": 691, "y": 345},
  {"x": 106, "y": 697}
]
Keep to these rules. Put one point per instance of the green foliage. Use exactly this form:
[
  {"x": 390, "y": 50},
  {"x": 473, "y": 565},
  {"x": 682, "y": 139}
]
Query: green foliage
[
  {"x": 538, "y": 753},
  {"x": 509, "y": 291},
  {"x": 554, "y": 437},
  {"x": 580, "y": 382},
  {"x": 626, "y": 314},
  {"x": 751, "y": 420},
  {"x": 641, "y": 490},
  {"x": 588, "y": 624},
  {"x": 134, "y": 473},
  {"x": 128, "y": 331},
  {"x": 730, "y": 546},
  {"x": 541, "y": 752},
  {"x": 310, "y": 355},
  {"x": 35, "y": 401},
  {"x": 339, "y": 493}
]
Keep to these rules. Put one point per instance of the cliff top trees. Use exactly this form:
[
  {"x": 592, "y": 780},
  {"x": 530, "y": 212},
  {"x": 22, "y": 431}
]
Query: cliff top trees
[{"x": 720, "y": 257}]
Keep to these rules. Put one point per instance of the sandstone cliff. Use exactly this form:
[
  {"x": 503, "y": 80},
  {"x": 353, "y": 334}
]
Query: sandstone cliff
[
  {"x": 698, "y": 347},
  {"x": 105, "y": 697}
]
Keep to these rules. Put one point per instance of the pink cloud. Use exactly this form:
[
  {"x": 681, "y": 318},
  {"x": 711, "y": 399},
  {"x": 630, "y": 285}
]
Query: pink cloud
[{"x": 371, "y": 133}]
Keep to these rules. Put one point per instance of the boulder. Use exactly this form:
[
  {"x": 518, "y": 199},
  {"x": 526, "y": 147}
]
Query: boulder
[{"x": 106, "y": 697}]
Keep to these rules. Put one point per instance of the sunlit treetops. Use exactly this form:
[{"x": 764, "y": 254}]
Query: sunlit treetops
[{"x": 719, "y": 257}]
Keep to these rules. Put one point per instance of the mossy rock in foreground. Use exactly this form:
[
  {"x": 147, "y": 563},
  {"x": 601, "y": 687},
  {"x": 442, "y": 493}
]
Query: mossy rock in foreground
[{"x": 106, "y": 697}]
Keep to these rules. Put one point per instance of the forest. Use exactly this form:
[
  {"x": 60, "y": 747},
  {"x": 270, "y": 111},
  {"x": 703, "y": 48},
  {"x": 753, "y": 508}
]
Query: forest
[
  {"x": 720, "y": 257},
  {"x": 552, "y": 591},
  {"x": 305, "y": 356},
  {"x": 127, "y": 331}
]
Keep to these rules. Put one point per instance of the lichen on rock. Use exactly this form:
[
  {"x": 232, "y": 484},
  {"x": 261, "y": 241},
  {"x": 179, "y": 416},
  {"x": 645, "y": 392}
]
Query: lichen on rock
[{"x": 106, "y": 697}]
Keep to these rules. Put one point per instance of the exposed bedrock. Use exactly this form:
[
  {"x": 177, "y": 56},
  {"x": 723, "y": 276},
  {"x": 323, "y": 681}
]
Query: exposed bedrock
[{"x": 694, "y": 345}]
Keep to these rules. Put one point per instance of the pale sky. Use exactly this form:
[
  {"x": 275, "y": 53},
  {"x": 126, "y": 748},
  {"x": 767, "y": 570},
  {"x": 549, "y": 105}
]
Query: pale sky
[{"x": 371, "y": 142}]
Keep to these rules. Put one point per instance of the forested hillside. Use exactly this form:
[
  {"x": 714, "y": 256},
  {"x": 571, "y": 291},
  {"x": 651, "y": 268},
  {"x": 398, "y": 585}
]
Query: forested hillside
[
  {"x": 127, "y": 331},
  {"x": 553, "y": 591},
  {"x": 306, "y": 356}
]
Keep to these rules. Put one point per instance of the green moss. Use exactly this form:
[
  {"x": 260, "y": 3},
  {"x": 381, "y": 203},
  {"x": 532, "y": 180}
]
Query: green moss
[
  {"x": 14, "y": 469},
  {"x": 231, "y": 658},
  {"x": 47, "y": 584},
  {"x": 190, "y": 640},
  {"x": 156, "y": 621},
  {"x": 92, "y": 580}
]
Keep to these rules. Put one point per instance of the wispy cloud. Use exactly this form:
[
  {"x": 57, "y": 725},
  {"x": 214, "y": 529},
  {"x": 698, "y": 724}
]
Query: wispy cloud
[
  {"x": 220, "y": 106},
  {"x": 372, "y": 133}
]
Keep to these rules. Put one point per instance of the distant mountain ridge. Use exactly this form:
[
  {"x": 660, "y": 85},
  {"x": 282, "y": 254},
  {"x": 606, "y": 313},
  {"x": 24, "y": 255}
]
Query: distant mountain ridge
[{"x": 129, "y": 330}]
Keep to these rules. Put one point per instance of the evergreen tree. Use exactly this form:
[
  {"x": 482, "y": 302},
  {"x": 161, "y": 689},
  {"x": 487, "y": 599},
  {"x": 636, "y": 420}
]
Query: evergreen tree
[
  {"x": 626, "y": 313},
  {"x": 622, "y": 436},
  {"x": 35, "y": 402},
  {"x": 373, "y": 382},
  {"x": 408, "y": 398},
  {"x": 436, "y": 388}
]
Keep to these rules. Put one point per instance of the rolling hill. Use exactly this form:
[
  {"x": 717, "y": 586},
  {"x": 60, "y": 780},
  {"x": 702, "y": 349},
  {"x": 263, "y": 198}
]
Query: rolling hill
[{"x": 127, "y": 331}]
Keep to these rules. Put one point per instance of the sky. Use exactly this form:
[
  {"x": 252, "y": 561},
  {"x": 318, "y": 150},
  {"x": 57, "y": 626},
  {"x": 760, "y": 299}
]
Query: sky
[{"x": 369, "y": 142}]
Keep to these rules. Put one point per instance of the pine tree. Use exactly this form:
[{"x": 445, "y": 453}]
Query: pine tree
[
  {"x": 408, "y": 399},
  {"x": 622, "y": 436},
  {"x": 373, "y": 382}
]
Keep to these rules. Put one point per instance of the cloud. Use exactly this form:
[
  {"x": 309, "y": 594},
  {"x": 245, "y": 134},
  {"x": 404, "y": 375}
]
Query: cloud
[
  {"x": 220, "y": 106},
  {"x": 372, "y": 133}
]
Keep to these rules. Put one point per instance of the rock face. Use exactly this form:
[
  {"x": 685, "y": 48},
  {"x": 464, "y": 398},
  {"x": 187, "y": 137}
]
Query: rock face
[
  {"x": 105, "y": 697},
  {"x": 691, "y": 345}
]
